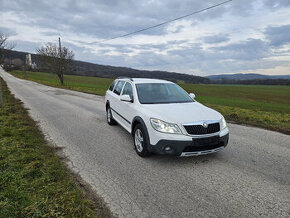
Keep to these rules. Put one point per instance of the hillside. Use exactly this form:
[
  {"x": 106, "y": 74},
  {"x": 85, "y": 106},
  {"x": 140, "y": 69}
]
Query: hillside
[
  {"x": 97, "y": 70},
  {"x": 246, "y": 76}
]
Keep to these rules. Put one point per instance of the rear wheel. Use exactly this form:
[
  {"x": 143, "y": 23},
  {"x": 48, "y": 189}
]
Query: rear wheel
[
  {"x": 140, "y": 141},
  {"x": 110, "y": 118}
]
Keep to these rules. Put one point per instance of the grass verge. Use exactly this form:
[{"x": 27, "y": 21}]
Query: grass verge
[
  {"x": 33, "y": 180},
  {"x": 261, "y": 106}
]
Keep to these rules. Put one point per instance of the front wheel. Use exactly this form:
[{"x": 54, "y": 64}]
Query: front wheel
[{"x": 140, "y": 141}]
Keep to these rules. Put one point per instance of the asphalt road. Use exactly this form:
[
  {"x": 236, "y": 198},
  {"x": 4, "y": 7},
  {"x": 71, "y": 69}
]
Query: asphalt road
[{"x": 250, "y": 178}]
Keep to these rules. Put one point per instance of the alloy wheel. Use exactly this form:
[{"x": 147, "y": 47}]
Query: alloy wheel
[{"x": 139, "y": 140}]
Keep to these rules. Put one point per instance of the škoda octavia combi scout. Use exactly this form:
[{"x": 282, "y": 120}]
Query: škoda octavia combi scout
[{"x": 164, "y": 119}]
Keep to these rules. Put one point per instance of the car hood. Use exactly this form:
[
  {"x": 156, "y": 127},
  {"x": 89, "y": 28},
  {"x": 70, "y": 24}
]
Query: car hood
[{"x": 181, "y": 113}]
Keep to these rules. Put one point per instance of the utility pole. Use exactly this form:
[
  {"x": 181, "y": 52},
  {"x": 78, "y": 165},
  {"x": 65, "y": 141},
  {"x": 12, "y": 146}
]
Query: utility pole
[
  {"x": 60, "y": 62},
  {"x": 59, "y": 44}
]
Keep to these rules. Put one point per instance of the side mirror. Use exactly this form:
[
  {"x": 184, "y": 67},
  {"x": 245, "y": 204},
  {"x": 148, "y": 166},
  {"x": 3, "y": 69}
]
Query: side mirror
[
  {"x": 192, "y": 95},
  {"x": 126, "y": 98}
]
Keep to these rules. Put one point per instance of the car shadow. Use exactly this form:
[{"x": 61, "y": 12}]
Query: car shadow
[{"x": 192, "y": 159}]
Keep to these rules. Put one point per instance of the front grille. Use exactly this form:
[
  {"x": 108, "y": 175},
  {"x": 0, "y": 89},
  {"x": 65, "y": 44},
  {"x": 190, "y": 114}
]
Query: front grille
[{"x": 200, "y": 130}]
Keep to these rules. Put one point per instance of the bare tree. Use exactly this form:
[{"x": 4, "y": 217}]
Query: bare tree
[
  {"x": 57, "y": 59},
  {"x": 5, "y": 45}
]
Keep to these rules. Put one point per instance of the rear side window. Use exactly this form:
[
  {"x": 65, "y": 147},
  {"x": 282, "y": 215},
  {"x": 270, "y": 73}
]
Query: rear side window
[
  {"x": 118, "y": 87},
  {"x": 112, "y": 85},
  {"x": 128, "y": 90}
]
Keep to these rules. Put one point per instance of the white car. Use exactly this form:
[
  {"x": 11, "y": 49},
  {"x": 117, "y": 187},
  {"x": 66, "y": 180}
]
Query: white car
[{"x": 164, "y": 119}]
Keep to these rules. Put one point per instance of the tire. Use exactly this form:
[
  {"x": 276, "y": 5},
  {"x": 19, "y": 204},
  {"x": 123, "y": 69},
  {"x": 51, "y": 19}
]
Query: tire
[
  {"x": 110, "y": 119},
  {"x": 141, "y": 141}
]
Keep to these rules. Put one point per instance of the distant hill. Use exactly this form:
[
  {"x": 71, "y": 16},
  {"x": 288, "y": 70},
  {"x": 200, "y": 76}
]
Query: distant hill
[
  {"x": 246, "y": 76},
  {"x": 89, "y": 69}
]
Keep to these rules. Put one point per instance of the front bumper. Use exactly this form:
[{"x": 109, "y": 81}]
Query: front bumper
[{"x": 190, "y": 148}]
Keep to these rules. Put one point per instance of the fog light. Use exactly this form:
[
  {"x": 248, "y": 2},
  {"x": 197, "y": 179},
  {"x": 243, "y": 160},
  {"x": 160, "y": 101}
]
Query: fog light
[{"x": 167, "y": 148}]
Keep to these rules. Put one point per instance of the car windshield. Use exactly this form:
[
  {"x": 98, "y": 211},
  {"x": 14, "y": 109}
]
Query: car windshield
[{"x": 161, "y": 93}]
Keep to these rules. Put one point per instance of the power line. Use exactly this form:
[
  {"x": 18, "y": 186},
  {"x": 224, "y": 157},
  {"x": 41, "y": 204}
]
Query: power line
[{"x": 166, "y": 22}]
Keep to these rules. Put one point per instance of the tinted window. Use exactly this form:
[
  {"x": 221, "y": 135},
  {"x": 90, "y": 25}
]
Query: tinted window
[
  {"x": 112, "y": 85},
  {"x": 118, "y": 87},
  {"x": 128, "y": 90},
  {"x": 161, "y": 93}
]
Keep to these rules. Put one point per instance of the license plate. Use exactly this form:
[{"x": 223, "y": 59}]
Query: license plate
[{"x": 205, "y": 141}]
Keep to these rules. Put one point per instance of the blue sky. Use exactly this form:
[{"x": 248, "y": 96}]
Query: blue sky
[{"x": 250, "y": 36}]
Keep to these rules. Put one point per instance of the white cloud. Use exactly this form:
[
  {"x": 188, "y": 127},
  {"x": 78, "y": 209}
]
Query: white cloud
[{"x": 248, "y": 37}]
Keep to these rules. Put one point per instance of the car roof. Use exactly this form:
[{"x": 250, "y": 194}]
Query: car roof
[{"x": 145, "y": 80}]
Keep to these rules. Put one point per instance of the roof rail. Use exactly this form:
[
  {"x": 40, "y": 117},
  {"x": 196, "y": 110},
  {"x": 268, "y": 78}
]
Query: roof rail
[{"x": 125, "y": 77}]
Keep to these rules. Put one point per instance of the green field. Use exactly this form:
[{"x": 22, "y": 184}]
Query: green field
[
  {"x": 33, "y": 180},
  {"x": 87, "y": 84},
  {"x": 263, "y": 106}
]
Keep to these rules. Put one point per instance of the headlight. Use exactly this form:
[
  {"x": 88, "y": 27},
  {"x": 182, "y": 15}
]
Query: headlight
[
  {"x": 223, "y": 123},
  {"x": 162, "y": 126}
]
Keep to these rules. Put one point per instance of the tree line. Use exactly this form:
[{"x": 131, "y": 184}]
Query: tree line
[{"x": 254, "y": 82}]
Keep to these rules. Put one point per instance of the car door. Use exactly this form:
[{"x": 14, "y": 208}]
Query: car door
[
  {"x": 115, "y": 101},
  {"x": 127, "y": 108}
]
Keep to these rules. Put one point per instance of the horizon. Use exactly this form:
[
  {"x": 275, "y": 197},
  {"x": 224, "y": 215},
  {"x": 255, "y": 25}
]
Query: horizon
[
  {"x": 231, "y": 39},
  {"x": 169, "y": 71}
]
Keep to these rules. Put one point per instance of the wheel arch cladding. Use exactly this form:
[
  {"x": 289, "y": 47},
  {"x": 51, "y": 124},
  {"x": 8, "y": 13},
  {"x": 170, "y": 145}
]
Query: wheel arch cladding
[{"x": 139, "y": 120}]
